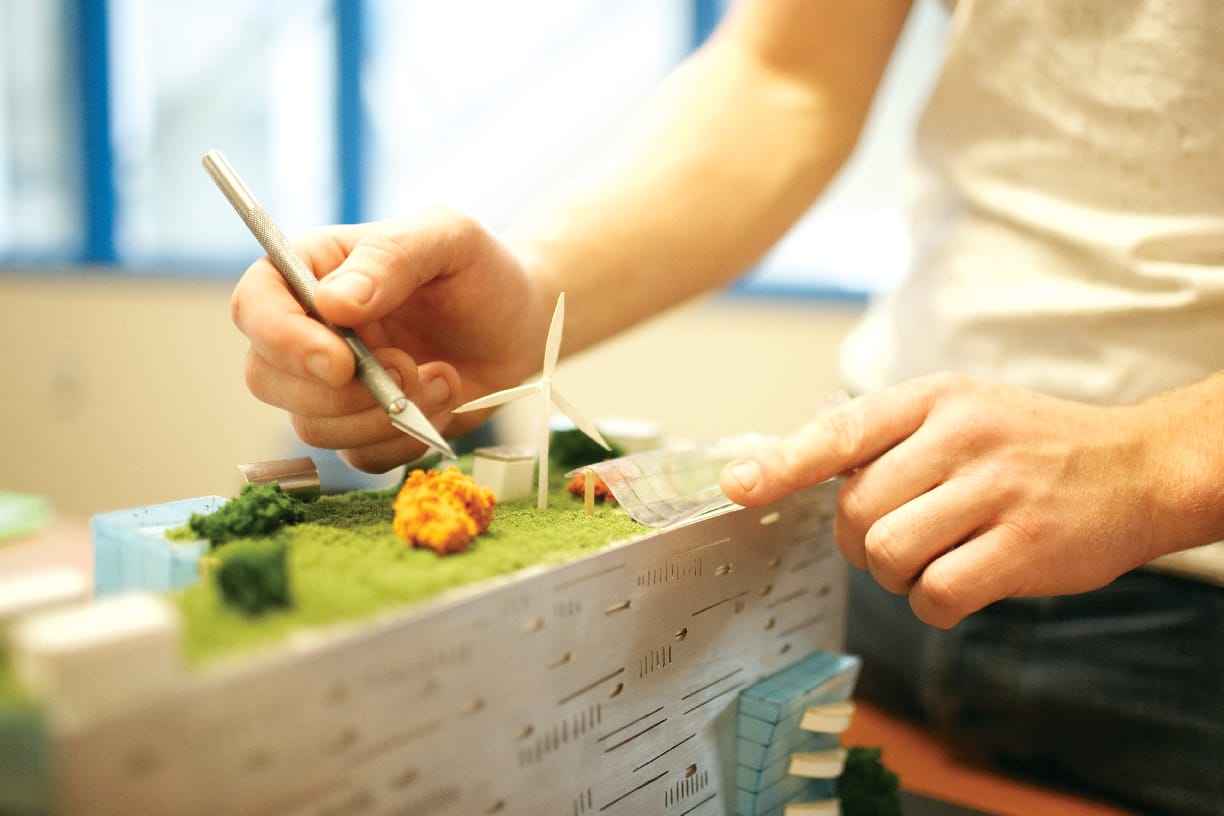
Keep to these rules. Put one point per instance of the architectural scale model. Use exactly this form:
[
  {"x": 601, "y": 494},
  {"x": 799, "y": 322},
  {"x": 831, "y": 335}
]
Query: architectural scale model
[
  {"x": 686, "y": 670},
  {"x": 611, "y": 684}
]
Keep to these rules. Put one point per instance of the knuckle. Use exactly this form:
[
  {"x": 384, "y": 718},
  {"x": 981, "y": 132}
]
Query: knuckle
[
  {"x": 938, "y": 600},
  {"x": 357, "y": 458},
  {"x": 852, "y": 505},
  {"x": 944, "y": 382},
  {"x": 251, "y": 374},
  {"x": 885, "y": 552},
  {"x": 842, "y": 432},
  {"x": 308, "y": 431}
]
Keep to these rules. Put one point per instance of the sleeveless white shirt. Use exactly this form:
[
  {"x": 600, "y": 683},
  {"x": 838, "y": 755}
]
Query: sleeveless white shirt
[{"x": 1069, "y": 205}]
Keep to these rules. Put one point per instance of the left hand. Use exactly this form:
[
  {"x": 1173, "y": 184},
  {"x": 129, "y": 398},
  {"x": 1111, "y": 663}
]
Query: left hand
[{"x": 961, "y": 492}]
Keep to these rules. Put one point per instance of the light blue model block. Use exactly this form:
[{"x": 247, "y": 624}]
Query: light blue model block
[
  {"x": 757, "y": 777},
  {"x": 131, "y": 552},
  {"x": 768, "y": 731},
  {"x": 775, "y": 798},
  {"x": 756, "y": 756}
]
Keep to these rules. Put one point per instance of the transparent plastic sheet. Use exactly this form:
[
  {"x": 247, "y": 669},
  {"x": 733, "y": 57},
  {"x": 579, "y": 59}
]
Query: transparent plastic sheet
[
  {"x": 679, "y": 483},
  {"x": 673, "y": 484}
]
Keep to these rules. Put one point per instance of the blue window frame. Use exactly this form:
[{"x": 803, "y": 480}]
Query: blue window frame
[{"x": 116, "y": 100}]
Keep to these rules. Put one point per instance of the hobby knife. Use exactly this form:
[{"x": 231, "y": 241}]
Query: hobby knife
[{"x": 404, "y": 414}]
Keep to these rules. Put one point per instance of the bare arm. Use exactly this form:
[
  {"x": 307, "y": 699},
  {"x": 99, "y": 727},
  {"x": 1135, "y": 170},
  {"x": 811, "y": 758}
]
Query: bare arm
[{"x": 732, "y": 150}]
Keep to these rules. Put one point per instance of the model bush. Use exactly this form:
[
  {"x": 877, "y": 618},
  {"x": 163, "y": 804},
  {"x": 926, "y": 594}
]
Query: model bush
[
  {"x": 257, "y": 510},
  {"x": 253, "y": 576},
  {"x": 571, "y": 448},
  {"x": 866, "y": 787}
]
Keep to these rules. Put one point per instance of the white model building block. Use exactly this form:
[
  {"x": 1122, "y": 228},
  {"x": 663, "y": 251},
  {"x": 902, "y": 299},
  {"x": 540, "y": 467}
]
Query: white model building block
[
  {"x": 98, "y": 659},
  {"x": 825, "y": 807},
  {"x": 830, "y": 718},
  {"x": 40, "y": 592},
  {"x": 508, "y": 471},
  {"x": 819, "y": 764}
]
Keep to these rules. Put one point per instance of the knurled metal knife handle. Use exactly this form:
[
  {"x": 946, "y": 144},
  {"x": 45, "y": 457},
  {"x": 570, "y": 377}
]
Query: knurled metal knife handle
[{"x": 300, "y": 278}]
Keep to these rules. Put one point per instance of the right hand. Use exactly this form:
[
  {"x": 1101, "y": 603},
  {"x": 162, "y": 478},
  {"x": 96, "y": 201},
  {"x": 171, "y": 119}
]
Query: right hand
[{"x": 442, "y": 304}]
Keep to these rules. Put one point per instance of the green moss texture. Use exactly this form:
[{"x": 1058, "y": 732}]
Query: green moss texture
[{"x": 346, "y": 564}]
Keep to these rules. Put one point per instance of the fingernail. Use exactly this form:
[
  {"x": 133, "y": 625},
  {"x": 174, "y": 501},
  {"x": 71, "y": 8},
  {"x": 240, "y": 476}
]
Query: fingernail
[
  {"x": 748, "y": 474},
  {"x": 352, "y": 286},
  {"x": 319, "y": 365},
  {"x": 438, "y": 390}
]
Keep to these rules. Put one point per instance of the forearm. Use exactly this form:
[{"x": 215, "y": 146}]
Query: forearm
[
  {"x": 730, "y": 152},
  {"x": 1186, "y": 450}
]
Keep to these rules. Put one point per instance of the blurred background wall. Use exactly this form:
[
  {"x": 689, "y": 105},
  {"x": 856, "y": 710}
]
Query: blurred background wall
[{"x": 122, "y": 393}]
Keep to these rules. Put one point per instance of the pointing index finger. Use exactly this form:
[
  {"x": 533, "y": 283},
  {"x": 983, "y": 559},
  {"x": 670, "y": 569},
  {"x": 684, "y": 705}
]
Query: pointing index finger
[{"x": 838, "y": 440}]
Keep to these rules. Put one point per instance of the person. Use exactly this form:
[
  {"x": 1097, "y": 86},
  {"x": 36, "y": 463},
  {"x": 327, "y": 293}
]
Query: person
[{"x": 1039, "y": 408}]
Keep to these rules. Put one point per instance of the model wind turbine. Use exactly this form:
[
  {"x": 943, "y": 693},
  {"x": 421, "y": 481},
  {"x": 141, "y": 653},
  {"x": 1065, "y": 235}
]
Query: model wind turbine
[{"x": 548, "y": 397}]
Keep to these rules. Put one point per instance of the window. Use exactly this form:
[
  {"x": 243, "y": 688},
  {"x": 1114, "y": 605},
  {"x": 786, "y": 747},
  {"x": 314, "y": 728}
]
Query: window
[
  {"x": 345, "y": 110},
  {"x": 40, "y": 169}
]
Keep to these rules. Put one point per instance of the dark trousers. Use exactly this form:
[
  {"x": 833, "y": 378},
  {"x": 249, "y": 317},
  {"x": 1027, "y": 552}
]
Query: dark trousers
[{"x": 1118, "y": 692}]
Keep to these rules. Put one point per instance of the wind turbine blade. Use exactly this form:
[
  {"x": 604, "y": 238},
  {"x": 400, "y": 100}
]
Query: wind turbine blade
[
  {"x": 552, "y": 346},
  {"x": 499, "y": 397},
  {"x": 583, "y": 424}
]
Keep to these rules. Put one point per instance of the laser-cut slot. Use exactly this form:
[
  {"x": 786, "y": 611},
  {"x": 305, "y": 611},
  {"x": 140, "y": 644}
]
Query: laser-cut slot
[
  {"x": 589, "y": 686},
  {"x": 771, "y": 623},
  {"x": 534, "y": 625},
  {"x": 663, "y": 753},
  {"x": 659, "y": 658},
  {"x": 773, "y": 562},
  {"x": 497, "y": 807},
  {"x": 722, "y": 569},
  {"x": 525, "y": 732},
  {"x": 629, "y": 793},
  {"x": 560, "y": 660},
  {"x": 765, "y": 590},
  {"x": 618, "y": 607},
  {"x": 553, "y": 738},
  {"x": 787, "y": 598},
  {"x": 472, "y": 706},
  {"x": 681, "y": 634},
  {"x": 786, "y": 647},
  {"x": 717, "y": 604},
  {"x": 617, "y": 689},
  {"x": 691, "y": 784}
]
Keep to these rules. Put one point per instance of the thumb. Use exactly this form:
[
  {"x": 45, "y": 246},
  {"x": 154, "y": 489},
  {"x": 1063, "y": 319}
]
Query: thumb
[{"x": 390, "y": 261}]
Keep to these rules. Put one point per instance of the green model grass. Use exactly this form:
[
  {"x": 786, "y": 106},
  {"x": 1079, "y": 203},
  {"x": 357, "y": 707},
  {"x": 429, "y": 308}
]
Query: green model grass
[{"x": 345, "y": 563}]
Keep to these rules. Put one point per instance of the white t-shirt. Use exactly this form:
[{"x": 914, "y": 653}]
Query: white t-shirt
[{"x": 1069, "y": 206}]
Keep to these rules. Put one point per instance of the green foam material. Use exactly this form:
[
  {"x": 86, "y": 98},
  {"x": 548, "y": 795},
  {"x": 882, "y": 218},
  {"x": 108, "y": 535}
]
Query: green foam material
[
  {"x": 22, "y": 514},
  {"x": 346, "y": 563}
]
